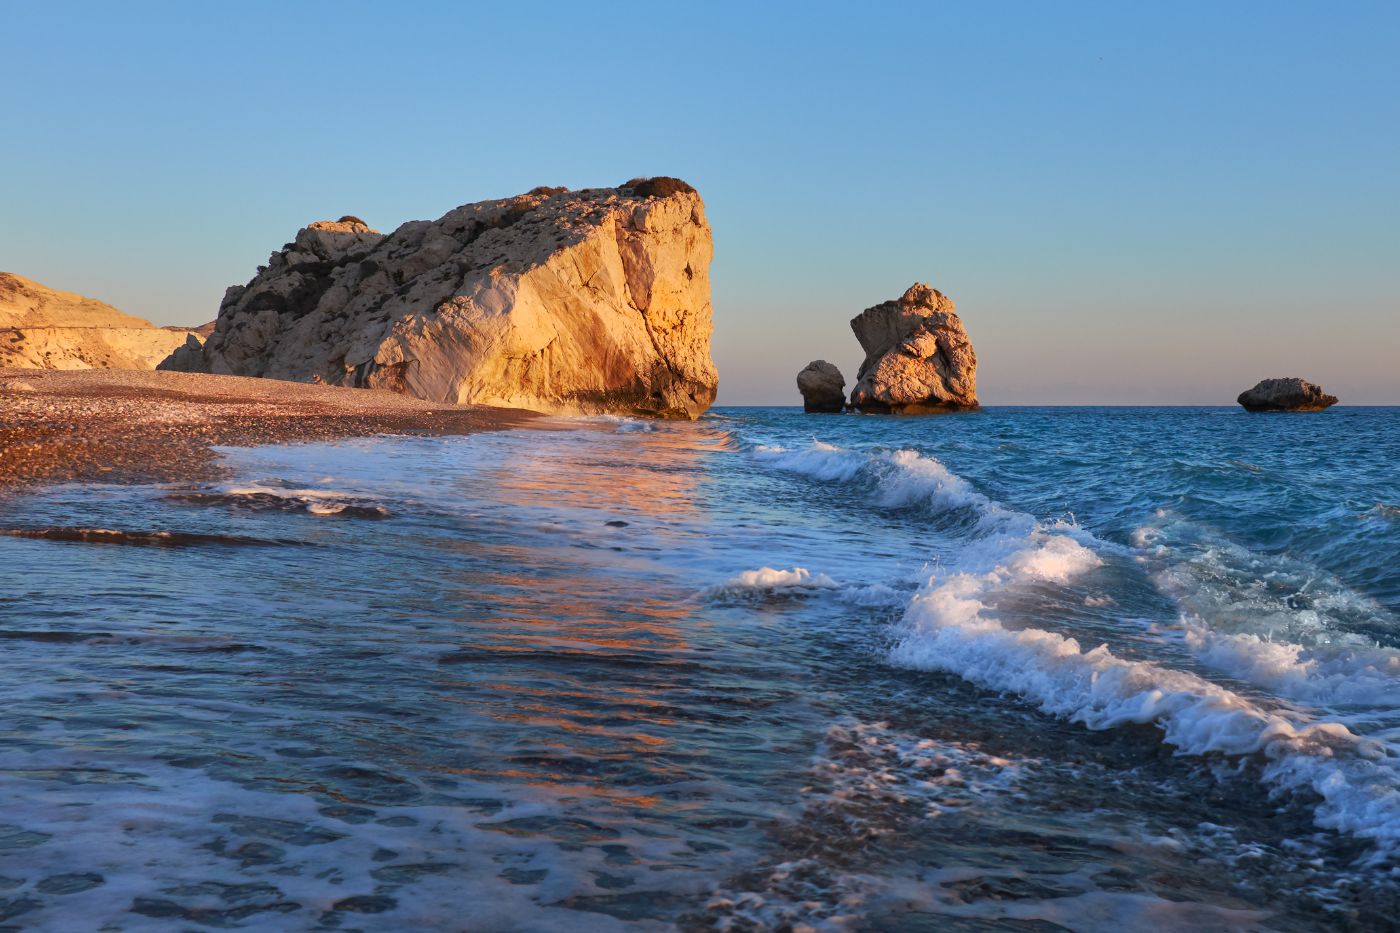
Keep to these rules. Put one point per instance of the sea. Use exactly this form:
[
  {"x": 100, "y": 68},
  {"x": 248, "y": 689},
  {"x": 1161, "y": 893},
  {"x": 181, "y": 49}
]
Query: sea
[{"x": 1034, "y": 669}]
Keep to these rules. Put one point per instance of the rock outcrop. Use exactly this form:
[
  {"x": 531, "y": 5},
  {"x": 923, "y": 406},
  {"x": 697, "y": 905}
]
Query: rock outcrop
[
  {"x": 44, "y": 328},
  {"x": 918, "y": 357},
  {"x": 573, "y": 302},
  {"x": 1291, "y": 394},
  {"x": 822, "y": 386}
]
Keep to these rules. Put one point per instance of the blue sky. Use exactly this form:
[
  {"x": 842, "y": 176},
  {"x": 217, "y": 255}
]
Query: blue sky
[{"x": 1130, "y": 203}]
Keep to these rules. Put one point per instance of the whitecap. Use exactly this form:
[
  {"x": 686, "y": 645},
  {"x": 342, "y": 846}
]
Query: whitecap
[
  {"x": 898, "y": 479},
  {"x": 1272, "y": 620},
  {"x": 268, "y": 497},
  {"x": 767, "y": 581},
  {"x": 945, "y": 629}
]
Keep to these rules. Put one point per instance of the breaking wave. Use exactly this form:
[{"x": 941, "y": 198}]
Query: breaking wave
[
  {"x": 766, "y": 582},
  {"x": 1273, "y": 621},
  {"x": 273, "y": 499},
  {"x": 953, "y": 625},
  {"x": 896, "y": 479}
]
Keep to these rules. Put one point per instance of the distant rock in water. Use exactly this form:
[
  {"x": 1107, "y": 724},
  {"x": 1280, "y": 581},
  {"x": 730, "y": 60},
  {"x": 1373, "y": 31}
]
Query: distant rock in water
[
  {"x": 822, "y": 386},
  {"x": 574, "y": 302},
  {"x": 918, "y": 357},
  {"x": 44, "y": 328},
  {"x": 1291, "y": 394}
]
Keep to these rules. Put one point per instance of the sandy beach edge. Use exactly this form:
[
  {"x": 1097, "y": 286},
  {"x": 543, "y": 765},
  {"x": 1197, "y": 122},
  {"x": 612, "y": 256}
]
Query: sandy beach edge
[{"x": 125, "y": 426}]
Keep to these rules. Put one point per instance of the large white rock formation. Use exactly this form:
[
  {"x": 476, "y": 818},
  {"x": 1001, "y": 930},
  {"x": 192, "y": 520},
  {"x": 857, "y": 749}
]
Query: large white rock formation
[{"x": 561, "y": 301}]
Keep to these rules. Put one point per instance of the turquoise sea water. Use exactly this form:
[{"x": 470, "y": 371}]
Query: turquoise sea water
[{"x": 1090, "y": 669}]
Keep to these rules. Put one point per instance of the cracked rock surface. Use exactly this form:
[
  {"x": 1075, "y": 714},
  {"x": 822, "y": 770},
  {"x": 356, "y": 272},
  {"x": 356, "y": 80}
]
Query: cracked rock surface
[
  {"x": 571, "y": 302},
  {"x": 918, "y": 357}
]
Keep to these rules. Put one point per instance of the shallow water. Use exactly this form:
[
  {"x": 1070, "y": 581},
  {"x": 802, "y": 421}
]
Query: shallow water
[{"x": 1091, "y": 669}]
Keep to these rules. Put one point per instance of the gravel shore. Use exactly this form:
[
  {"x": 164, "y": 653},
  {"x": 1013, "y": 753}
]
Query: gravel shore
[{"x": 122, "y": 426}]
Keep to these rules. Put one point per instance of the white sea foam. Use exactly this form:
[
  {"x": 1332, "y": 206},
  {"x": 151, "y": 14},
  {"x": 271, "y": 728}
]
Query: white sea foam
[
  {"x": 621, "y": 423},
  {"x": 314, "y": 501},
  {"x": 1322, "y": 676},
  {"x": 900, "y": 479},
  {"x": 767, "y": 581},
  {"x": 173, "y": 848},
  {"x": 868, "y": 782},
  {"x": 947, "y": 627},
  {"x": 870, "y": 768},
  {"x": 799, "y": 581},
  {"x": 1271, "y": 620}
]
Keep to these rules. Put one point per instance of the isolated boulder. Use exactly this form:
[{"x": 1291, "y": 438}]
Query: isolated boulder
[
  {"x": 918, "y": 357},
  {"x": 1291, "y": 394},
  {"x": 574, "y": 302},
  {"x": 822, "y": 386},
  {"x": 44, "y": 328}
]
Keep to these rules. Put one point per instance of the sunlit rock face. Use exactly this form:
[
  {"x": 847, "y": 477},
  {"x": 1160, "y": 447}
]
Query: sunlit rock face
[
  {"x": 574, "y": 302},
  {"x": 1290, "y": 394},
  {"x": 822, "y": 386},
  {"x": 44, "y": 328},
  {"x": 918, "y": 357}
]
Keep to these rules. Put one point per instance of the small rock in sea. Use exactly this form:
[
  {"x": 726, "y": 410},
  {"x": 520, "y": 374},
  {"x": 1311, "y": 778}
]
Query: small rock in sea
[
  {"x": 1291, "y": 394},
  {"x": 616, "y": 523},
  {"x": 822, "y": 386}
]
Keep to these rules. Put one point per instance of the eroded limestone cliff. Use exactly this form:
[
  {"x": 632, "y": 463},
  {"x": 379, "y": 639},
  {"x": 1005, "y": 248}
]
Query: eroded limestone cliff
[
  {"x": 573, "y": 302},
  {"x": 44, "y": 328}
]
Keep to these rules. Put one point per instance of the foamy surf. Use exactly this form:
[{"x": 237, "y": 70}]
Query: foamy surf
[
  {"x": 951, "y": 626},
  {"x": 619, "y": 423},
  {"x": 897, "y": 479},
  {"x": 947, "y": 628},
  {"x": 768, "y": 582},
  {"x": 1273, "y": 621},
  {"x": 268, "y": 498}
]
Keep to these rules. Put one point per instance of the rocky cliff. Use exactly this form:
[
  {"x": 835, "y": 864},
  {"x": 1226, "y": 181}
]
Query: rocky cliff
[
  {"x": 918, "y": 357},
  {"x": 560, "y": 301},
  {"x": 44, "y": 328},
  {"x": 1291, "y": 394}
]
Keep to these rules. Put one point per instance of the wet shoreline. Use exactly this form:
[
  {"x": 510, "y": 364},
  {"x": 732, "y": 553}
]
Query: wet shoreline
[{"x": 116, "y": 426}]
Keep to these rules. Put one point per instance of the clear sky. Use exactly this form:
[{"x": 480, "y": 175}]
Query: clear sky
[{"x": 1130, "y": 202}]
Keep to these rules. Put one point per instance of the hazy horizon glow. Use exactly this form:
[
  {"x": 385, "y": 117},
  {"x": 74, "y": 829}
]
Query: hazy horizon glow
[{"x": 1130, "y": 204}]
